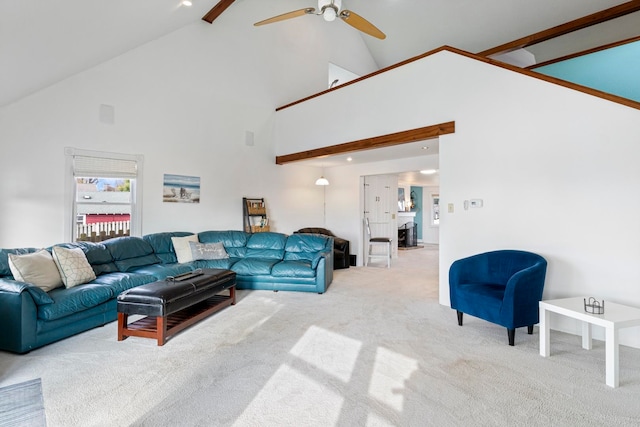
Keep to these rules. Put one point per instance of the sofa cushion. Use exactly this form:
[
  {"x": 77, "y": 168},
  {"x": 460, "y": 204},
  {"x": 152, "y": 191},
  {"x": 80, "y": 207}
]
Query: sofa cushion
[
  {"x": 161, "y": 271},
  {"x": 163, "y": 246},
  {"x": 306, "y": 247},
  {"x": 98, "y": 256},
  {"x": 254, "y": 266},
  {"x": 293, "y": 269},
  {"x": 5, "y": 271},
  {"x": 266, "y": 245},
  {"x": 234, "y": 241},
  {"x": 119, "y": 282},
  {"x": 307, "y": 243},
  {"x": 182, "y": 248},
  {"x": 131, "y": 252},
  {"x": 73, "y": 266},
  {"x": 37, "y": 268},
  {"x": 73, "y": 300},
  {"x": 224, "y": 264}
]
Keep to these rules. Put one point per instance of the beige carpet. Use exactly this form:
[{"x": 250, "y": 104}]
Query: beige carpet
[{"x": 376, "y": 350}]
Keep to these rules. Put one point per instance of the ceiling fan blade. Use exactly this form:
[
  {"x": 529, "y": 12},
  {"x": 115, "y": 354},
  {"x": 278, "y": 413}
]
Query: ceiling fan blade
[
  {"x": 288, "y": 15},
  {"x": 217, "y": 10},
  {"x": 361, "y": 24}
]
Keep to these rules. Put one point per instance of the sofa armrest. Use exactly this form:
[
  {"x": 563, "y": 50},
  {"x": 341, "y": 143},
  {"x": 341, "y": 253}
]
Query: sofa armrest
[
  {"x": 324, "y": 271},
  {"x": 341, "y": 244},
  {"x": 18, "y": 316},
  {"x": 39, "y": 296}
]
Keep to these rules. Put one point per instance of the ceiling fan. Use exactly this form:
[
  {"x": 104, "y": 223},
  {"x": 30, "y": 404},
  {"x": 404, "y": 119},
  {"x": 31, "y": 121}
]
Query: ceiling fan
[{"x": 330, "y": 10}]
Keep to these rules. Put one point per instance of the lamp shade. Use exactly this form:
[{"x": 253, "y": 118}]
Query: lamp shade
[{"x": 322, "y": 181}]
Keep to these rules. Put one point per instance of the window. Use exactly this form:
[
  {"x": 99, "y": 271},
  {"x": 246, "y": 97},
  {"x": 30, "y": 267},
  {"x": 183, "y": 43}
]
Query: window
[{"x": 104, "y": 195}]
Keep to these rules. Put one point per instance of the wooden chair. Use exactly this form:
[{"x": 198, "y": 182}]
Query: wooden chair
[{"x": 377, "y": 241}]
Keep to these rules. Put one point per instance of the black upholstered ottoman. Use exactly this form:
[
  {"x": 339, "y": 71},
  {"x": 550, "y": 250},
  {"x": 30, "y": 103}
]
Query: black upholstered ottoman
[{"x": 175, "y": 303}]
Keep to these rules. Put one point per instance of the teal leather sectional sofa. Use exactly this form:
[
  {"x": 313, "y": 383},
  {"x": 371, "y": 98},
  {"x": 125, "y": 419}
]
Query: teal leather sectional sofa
[{"x": 31, "y": 318}]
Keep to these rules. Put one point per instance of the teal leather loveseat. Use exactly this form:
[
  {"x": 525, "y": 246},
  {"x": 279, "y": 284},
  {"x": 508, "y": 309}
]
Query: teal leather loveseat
[{"x": 31, "y": 318}]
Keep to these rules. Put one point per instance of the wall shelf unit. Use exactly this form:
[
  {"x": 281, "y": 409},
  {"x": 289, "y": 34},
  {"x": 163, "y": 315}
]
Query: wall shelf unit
[{"x": 254, "y": 212}]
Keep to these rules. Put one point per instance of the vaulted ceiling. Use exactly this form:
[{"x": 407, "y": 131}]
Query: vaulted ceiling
[{"x": 43, "y": 42}]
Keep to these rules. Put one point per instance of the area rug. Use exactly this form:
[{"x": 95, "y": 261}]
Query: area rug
[{"x": 22, "y": 405}]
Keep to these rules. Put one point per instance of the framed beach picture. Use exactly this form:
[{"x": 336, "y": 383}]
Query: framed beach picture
[{"x": 181, "y": 189}]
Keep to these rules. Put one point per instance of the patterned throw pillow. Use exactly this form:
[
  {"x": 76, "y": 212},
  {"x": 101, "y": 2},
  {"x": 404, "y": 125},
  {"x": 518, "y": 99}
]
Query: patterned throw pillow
[
  {"x": 208, "y": 250},
  {"x": 73, "y": 266},
  {"x": 182, "y": 248},
  {"x": 36, "y": 268}
]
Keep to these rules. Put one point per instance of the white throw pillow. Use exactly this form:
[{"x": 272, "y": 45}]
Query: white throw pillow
[
  {"x": 73, "y": 266},
  {"x": 37, "y": 268},
  {"x": 182, "y": 248},
  {"x": 208, "y": 251}
]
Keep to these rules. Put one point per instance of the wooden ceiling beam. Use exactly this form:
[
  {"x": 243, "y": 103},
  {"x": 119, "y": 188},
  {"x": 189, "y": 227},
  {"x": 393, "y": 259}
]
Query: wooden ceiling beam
[
  {"x": 571, "y": 26},
  {"x": 389, "y": 140},
  {"x": 217, "y": 10}
]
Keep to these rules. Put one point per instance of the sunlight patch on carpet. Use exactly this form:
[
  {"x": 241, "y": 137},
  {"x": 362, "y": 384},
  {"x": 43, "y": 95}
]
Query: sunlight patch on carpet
[
  {"x": 333, "y": 353},
  {"x": 374, "y": 420},
  {"x": 297, "y": 397},
  {"x": 391, "y": 371}
]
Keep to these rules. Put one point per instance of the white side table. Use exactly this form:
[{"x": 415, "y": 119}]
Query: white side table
[{"x": 615, "y": 317}]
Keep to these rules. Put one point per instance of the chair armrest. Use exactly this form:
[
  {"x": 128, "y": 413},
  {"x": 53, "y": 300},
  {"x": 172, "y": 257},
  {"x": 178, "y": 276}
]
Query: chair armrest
[
  {"x": 523, "y": 292},
  {"x": 526, "y": 284}
]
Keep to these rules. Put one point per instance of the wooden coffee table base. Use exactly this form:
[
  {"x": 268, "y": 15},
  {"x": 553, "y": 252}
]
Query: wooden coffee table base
[{"x": 162, "y": 327}]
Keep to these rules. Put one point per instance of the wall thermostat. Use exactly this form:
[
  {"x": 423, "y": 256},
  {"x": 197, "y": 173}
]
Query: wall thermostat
[{"x": 476, "y": 203}]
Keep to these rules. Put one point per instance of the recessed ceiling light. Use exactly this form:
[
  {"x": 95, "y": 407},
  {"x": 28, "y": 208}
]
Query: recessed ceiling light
[
  {"x": 428, "y": 171},
  {"x": 187, "y": 3},
  {"x": 425, "y": 148},
  {"x": 349, "y": 159}
]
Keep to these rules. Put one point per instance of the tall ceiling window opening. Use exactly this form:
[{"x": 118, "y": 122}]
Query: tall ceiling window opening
[{"x": 104, "y": 193}]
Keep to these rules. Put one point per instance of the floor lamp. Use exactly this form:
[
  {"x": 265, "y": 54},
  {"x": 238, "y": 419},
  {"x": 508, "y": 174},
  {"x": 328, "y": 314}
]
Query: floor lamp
[{"x": 322, "y": 181}]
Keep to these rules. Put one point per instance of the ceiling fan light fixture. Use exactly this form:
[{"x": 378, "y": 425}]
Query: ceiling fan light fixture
[
  {"x": 329, "y": 9},
  {"x": 329, "y": 14}
]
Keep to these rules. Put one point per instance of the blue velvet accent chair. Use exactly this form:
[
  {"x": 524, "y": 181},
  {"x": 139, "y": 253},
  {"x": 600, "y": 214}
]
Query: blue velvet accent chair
[{"x": 502, "y": 287}]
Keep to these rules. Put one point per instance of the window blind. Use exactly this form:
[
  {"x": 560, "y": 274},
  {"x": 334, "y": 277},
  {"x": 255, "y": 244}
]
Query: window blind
[{"x": 103, "y": 167}]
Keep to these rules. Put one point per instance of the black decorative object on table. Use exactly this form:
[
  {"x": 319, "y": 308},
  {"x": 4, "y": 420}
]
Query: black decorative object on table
[{"x": 593, "y": 306}]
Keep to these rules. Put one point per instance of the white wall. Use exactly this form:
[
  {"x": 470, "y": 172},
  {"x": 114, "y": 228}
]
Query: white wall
[
  {"x": 185, "y": 102},
  {"x": 556, "y": 168}
]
